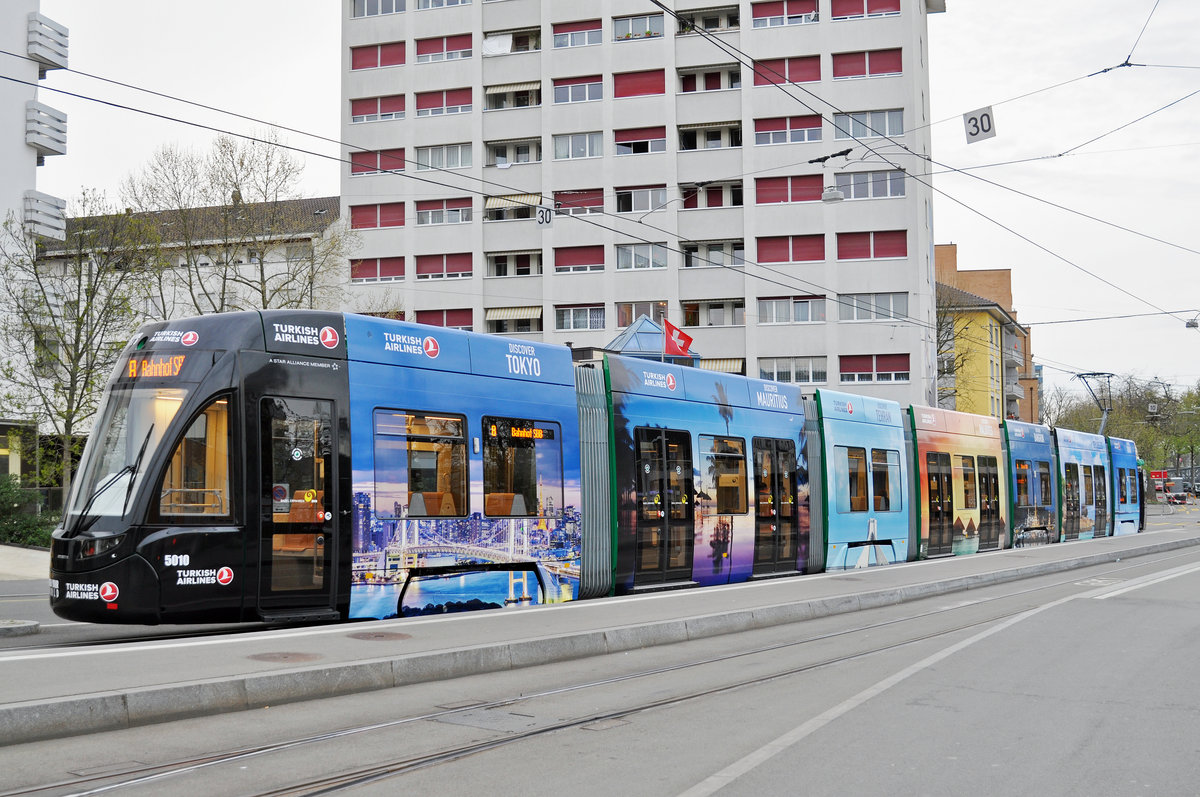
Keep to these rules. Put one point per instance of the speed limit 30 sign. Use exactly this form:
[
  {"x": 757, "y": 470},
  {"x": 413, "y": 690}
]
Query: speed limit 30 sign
[{"x": 979, "y": 124}]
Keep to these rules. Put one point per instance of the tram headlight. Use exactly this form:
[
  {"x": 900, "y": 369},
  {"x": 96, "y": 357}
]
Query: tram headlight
[{"x": 98, "y": 546}]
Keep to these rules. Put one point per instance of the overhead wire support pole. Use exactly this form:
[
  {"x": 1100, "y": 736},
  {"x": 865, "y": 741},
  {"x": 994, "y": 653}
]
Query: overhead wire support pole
[{"x": 1104, "y": 399}]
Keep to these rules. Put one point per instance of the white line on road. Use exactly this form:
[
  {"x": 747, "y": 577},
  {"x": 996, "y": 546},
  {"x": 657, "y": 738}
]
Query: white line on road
[{"x": 1146, "y": 581}]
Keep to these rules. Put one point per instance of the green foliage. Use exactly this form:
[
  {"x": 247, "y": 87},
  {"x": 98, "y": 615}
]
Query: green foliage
[{"x": 20, "y": 524}]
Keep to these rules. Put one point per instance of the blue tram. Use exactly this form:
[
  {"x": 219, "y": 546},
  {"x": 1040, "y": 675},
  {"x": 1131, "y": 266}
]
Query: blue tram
[{"x": 302, "y": 466}]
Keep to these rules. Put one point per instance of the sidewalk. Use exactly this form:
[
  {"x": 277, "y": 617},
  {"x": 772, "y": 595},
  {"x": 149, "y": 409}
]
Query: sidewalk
[
  {"x": 23, "y": 564},
  {"x": 42, "y": 692}
]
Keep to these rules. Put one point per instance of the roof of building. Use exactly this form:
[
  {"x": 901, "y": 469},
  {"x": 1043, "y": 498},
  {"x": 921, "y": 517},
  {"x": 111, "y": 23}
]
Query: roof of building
[{"x": 950, "y": 297}]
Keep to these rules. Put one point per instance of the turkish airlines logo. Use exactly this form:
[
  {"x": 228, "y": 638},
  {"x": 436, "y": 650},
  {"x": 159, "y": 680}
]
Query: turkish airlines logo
[
  {"x": 670, "y": 381},
  {"x": 849, "y": 408},
  {"x": 225, "y": 576},
  {"x": 109, "y": 592},
  {"x": 432, "y": 350},
  {"x": 189, "y": 338},
  {"x": 329, "y": 337}
]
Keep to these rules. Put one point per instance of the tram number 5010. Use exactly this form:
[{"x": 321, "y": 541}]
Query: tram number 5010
[
  {"x": 979, "y": 124},
  {"x": 544, "y": 215}
]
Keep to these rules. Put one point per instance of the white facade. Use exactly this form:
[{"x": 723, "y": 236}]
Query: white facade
[
  {"x": 29, "y": 130},
  {"x": 420, "y": 82}
]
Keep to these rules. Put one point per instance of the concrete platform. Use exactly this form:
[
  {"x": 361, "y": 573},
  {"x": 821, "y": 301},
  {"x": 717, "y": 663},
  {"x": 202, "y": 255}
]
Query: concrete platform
[
  {"x": 23, "y": 564},
  {"x": 51, "y": 693}
]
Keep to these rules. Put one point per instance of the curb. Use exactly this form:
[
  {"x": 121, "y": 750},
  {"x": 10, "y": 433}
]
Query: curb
[
  {"x": 18, "y": 627},
  {"x": 116, "y": 710}
]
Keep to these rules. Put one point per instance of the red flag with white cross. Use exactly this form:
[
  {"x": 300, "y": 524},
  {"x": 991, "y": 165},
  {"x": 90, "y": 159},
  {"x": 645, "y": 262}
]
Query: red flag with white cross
[{"x": 675, "y": 342}]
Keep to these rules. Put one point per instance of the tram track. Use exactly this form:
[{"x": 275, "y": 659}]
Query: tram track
[{"x": 144, "y": 775}]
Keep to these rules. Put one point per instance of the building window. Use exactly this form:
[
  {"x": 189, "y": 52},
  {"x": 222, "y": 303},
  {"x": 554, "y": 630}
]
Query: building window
[
  {"x": 437, "y": 103},
  {"x": 720, "y": 195},
  {"x": 795, "y": 370},
  {"x": 511, "y": 207},
  {"x": 388, "y": 160},
  {"x": 628, "y": 312},
  {"x": 784, "y": 12},
  {"x": 374, "y": 56},
  {"x": 514, "y": 264},
  {"x": 526, "y": 40},
  {"x": 451, "y": 319},
  {"x": 871, "y": 185},
  {"x": 640, "y": 140},
  {"x": 641, "y": 256},
  {"x": 444, "y": 211},
  {"x": 641, "y": 199},
  {"x": 792, "y": 310},
  {"x": 447, "y": 156},
  {"x": 867, "y": 63},
  {"x": 443, "y": 48},
  {"x": 452, "y": 266},
  {"x": 712, "y": 20},
  {"x": 577, "y": 34},
  {"x": 587, "y": 317},
  {"x": 710, "y": 79},
  {"x": 640, "y": 84},
  {"x": 510, "y": 326},
  {"x": 850, "y": 9},
  {"x": 423, "y": 4},
  {"x": 873, "y": 368},
  {"x": 372, "y": 8},
  {"x": 579, "y": 258},
  {"x": 574, "y": 203},
  {"x": 643, "y": 27},
  {"x": 714, "y": 253},
  {"x": 867, "y": 124},
  {"x": 791, "y": 249},
  {"x": 872, "y": 306},
  {"x": 866, "y": 245},
  {"x": 578, "y": 89},
  {"x": 388, "y": 214},
  {"x": 578, "y": 145},
  {"x": 801, "y": 69},
  {"x": 377, "y": 109},
  {"x": 800, "y": 188},
  {"x": 710, "y": 136},
  {"x": 787, "y": 130},
  {"x": 377, "y": 269},
  {"x": 715, "y": 313},
  {"x": 512, "y": 95},
  {"x": 506, "y": 153}
]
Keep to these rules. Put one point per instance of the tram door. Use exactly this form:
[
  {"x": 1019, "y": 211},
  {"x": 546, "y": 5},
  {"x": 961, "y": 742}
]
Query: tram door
[
  {"x": 990, "y": 527},
  {"x": 941, "y": 502},
  {"x": 776, "y": 528},
  {"x": 1070, "y": 501},
  {"x": 665, "y": 499},
  {"x": 298, "y": 451},
  {"x": 1101, "y": 501}
]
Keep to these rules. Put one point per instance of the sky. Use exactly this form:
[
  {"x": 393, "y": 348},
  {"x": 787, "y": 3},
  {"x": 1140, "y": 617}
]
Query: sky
[{"x": 1072, "y": 141}]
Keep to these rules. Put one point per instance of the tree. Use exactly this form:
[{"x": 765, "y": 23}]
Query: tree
[
  {"x": 952, "y": 325},
  {"x": 68, "y": 313}
]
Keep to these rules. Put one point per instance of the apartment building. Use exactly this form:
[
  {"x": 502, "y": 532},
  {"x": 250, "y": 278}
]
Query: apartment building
[
  {"x": 30, "y": 130},
  {"x": 554, "y": 170}
]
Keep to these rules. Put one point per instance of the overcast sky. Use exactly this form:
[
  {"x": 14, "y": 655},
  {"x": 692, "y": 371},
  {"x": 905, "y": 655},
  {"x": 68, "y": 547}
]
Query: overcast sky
[{"x": 1034, "y": 63}]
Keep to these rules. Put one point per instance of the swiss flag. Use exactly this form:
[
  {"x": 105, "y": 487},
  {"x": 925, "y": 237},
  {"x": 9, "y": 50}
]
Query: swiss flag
[{"x": 675, "y": 343}]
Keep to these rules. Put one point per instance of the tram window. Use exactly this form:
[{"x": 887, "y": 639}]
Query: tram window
[
  {"x": 1023, "y": 471},
  {"x": 885, "y": 480},
  {"x": 522, "y": 467},
  {"x": 723, "y": 473},
  {"x": 1043, "y": 469},
  {"x": 420, "y": 465},
  {"x": 970, "y": 495},
  {"x": 1088, "y": 489},
  {"x": 1101, "y": 483},
  {"x": 196, "y": 482},
  {"x": 850, "y": 475},
  {"x": 1133, "y": 489},
  {"x": 664, "y": 466},
  {"x": 300, "y": 436},
  {"x": 1122, "y": 494}
]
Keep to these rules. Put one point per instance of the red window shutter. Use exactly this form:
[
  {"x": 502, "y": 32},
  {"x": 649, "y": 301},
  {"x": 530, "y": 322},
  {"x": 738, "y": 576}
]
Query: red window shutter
[
  {"x": 431, "y": 264},
  {"x": 762, "y": 10},
  {"x": 769, "y": 190},
  {"x": 639, "y": 84},
  {"x": 807, "y": 188},
  {"x": 808, "y": 248},
  {"x": 459, "y": 42},
  {"x": 458, "y": 97},
  {"x": 434, "y": 318},
  {"x": 566, "y": 256},
  {"x": 770, "y": 125},
  {"x": 430, "y": 99},
  {"x": 891, "y": 363},
  {"x": 430, "y": 204},
  {"x": 391, "y": 267},
  {"x": 770, "y": 71},
  {"x": 458, "y": 202},
  {"x": 795, "y": 7},
  {"x": 849, "y": 64},
  {"x": 853, "y": 245},
  {"x": 715, "y": 197},
  {"x": 691, "y": 199},
  {"x": 892, "y": 243},
  {"x": 392, "y": 104},
  {"x": 361, "y": 162},
  {"x": 712, "y": 81},
  {"x": 391, "y": 54},
  {"x": 364, "y": 217},
  {"x": 458, "y": 263},
  {"x": 885, "y": 62},
  {"x": 803, "y": 122},
  {"x": 774, "y": 250},
  {"x": 580, "y": 199},
  {"x": 806, "y": 69},
  {"x": 391, "y": 160},
  {"x": 688, "y": 83},
  {"x": 391, "y": 214},
  {"x": 639, "y": 134},
  {"x": 459, "y": 318},
  {"x": 572, "y": 27},
  {"x": 363, "y": 269},
  {"x": 364, "y": 107},
  {"x": 575, "y": 81},
  {"x": 431, "y": 46},
  {"x": 848, "y": 8},
  {"x": 883, "y": 6},
  {"x": 856, "y": 364},
  {"x": 364, "y": 57}
]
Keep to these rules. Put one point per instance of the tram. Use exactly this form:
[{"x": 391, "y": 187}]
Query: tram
[{"x": 306, "y": 466}]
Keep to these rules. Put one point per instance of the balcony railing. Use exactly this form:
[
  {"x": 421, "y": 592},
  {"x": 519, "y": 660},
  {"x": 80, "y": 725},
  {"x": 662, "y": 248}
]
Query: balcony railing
[
  {"x": 46, "y": 43},
  {"x": 45, "y": 129},
  {"x": 45, "y": 215}
]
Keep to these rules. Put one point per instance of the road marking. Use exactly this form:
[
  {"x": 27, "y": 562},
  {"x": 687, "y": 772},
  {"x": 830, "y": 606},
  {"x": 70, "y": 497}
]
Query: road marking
[{"x": 1146, "y": 581}]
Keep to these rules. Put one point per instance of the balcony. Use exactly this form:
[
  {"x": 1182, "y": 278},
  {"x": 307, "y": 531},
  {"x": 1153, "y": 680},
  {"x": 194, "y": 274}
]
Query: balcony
[
  {"x": 1012, "y": 390},
  {"x": 46, "y": 43},
  {"x": 45, "y": 129},
  {"x": 45, "y": 215}
]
